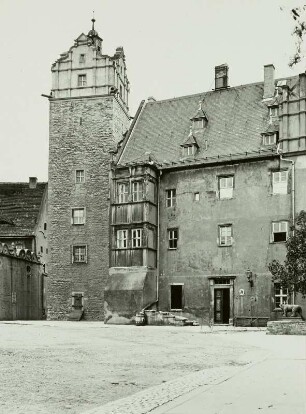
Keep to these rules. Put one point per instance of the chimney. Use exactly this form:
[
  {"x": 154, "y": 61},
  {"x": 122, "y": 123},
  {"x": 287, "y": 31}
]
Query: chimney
[
  {"x": 32, "y": 182},
  {"x": 269, "y": 86},
  {"x": 221, "y": 76}
]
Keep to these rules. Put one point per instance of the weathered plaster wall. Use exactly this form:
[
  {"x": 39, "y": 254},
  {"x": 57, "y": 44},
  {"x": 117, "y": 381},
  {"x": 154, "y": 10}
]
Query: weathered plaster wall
[{"x": 251, "y": 212}]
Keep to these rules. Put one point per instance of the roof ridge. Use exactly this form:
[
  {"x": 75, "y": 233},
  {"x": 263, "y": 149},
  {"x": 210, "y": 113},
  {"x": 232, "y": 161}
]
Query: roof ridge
[{"x": 215, "y": 90}]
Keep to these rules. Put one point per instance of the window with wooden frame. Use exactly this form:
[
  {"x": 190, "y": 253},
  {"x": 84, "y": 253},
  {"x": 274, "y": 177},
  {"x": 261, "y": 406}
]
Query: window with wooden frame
[
  {"x": 123, "y": 192},
  {"x": 79, "y": 176},
  {"x": 122, "y": 239},
  {"x": 176, "y": 296},
  {"x": 279, "y": 231},
  {"x": 189, "y": 150},
  {"x": 171, "y": 197},
  {"x": 269, "y": 139},
  {"x": 280, "y": 182},
  {"x": 136, "y": 238},
  {"x": 198, "y": 123},
  {"x": 172, "y": 238},
  {"x": 225, "y": 235},
  {"x": 226, "y": 186},
  {"x": 79, "y": 253},
  {"x": 82, "y": 81},
  {"x": 281, "y": 295},
  {"x": 137, "y": 191},
  {"x": 78, "y": 216}
]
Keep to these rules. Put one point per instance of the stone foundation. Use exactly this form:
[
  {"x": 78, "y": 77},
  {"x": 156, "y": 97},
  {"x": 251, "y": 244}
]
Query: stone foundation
[{"x": 288, "y": 326}]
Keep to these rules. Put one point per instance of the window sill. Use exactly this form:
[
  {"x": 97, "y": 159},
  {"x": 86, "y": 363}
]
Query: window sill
[
  {"x": 225, "y": 245},
  {"x": 172, "y": 248},
  {"x": 78, "y": 224},
  {"x": 279, "y": 242}
]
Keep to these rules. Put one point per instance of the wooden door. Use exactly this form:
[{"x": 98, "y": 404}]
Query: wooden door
[{"x": 221, "y": 306}]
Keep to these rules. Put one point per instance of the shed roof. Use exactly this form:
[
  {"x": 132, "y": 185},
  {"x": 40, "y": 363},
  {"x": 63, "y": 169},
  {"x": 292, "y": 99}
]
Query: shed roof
[{"x": 19, "y": 208}]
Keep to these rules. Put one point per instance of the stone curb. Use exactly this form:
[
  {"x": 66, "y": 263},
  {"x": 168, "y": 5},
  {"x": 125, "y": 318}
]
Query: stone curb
[{"x": 147, "y": 400}]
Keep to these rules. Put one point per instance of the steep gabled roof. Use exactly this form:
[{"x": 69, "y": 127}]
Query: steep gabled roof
[
  {"x": 236, "y": 118},
  {"x": 19, "y": 208}
]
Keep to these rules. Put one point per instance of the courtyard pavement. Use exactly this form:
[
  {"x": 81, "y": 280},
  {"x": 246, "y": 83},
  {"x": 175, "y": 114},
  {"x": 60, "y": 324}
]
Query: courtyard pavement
[
  {"x": 219, "y": 370},
  {"x": 274, "y": 381}
]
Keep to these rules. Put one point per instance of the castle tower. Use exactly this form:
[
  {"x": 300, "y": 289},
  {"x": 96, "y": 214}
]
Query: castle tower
[{"x": 88, "y": 117}]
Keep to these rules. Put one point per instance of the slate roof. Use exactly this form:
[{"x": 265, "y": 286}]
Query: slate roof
[
  {"x": 19, "y": 208},
  {"x": 237, "y": 117}
]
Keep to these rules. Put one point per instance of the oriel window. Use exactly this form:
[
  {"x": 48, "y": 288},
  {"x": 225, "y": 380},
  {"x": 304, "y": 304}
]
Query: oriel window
[
  {"x": 123, "y": 192},
  {"x": 122, "y": 239},
  {"x": 136, "y": 237},
  {"x": 137, "y": 191}
]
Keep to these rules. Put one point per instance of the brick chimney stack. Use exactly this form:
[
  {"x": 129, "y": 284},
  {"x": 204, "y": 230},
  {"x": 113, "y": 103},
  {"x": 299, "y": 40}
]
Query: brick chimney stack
[
  {"x": 269, "y": 86},
  {"x": 32, "y": 182}
]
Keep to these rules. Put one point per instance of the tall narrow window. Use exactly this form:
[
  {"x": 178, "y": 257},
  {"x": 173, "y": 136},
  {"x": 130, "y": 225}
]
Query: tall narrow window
[
  {"x": 122, "y": 239},
  {"x": 82, "y": 58},
  {"x": 281, "y": 295},
  {"x": 78, "y": 216},
  {"x": 226, "y": 186},
  {"x": 225, "y": 235},
  {"x": 279, "y": 231},
  {"x": 82, "y": 80},
  {"x": 136, "y": 237},
  {"x": 171, "y": 197},
  {"x": 280, "y": 182},
  {"x": 172, "y": 238},
  {"x": 123, "y": 192},
  {"x": 79, "y": 254},
  {"x": 176, "y": 297},
  {"x": 137, "y": 193},
  {"x": 79, "y": 176}
]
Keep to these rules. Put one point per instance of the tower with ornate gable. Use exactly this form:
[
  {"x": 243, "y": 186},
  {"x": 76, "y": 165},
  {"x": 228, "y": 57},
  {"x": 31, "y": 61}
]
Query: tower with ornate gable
[{"x": 88, "y": 117}]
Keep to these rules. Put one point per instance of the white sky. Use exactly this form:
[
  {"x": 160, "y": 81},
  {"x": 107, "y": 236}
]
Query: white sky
[{"x": 171, "y": 49}]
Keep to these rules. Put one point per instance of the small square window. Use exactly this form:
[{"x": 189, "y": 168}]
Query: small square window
[
  {"x": 78, "y": 216},
  {"x": 123, "y": 192},
  {"x": 137, "y": 194},
  {"x": 198, "y": 123},
  {"x": 273, "y": 111},
  {"x": 226, "y": 187},
  {"x": 79, "y": 254},
  {"x": 196, "y": 196},
  {"x": 82, "y": 80},
  {"x": 270, "y": 139},
  {"x": 176, "y": 296},
  {"x": 281, "y": 295},
  {"x": 225, "y": 235},
  {"x": 171, "y": 197},
  {"x": 172, "y": 238},
  {"x": 122, "y": 239},
  {"x": 280, "y": 182},
  {"x": 82, "y": 58},
  {"x": 136, "y": 237},
  {"x": 79, "y": 176},
  {"x": 279, "y": 231}
]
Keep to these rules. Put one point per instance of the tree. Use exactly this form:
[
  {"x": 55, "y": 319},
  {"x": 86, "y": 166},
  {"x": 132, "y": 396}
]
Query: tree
[
  {"x": 299, "y": 15},
  {"x": 292, "y": 274}
]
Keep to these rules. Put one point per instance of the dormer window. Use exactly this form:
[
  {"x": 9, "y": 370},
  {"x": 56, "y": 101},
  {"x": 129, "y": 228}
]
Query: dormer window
[
  {"x": 273, "y": 111},
  {"x": 189, "y": 150},
  {"x": 198, "y": 123},
  {"x": 270, "y": 139}
]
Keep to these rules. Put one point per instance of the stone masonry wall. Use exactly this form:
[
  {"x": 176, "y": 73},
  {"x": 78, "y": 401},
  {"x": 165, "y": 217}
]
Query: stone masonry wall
[{"x": 81, "y": 136}]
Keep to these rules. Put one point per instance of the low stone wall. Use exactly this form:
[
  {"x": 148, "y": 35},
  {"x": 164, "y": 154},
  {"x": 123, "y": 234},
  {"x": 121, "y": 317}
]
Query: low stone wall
[{"x": 289, "y": 326}]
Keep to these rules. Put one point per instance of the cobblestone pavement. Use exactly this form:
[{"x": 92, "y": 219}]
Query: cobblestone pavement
[{"x": 145, "y": 401}]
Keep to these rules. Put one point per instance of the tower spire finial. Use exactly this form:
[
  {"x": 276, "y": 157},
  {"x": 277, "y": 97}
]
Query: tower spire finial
[{"x": 93, "y": 20}]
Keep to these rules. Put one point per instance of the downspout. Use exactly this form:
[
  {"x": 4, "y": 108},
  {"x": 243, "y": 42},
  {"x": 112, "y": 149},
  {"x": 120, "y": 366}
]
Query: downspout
[
  {"x": 158, "y": 238},
  {"x": 292, "y": 188}
]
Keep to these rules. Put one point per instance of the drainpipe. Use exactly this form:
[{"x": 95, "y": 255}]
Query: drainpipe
[
  {"x": 158, "y": 238},
  {"x": 278, "y": 150}
]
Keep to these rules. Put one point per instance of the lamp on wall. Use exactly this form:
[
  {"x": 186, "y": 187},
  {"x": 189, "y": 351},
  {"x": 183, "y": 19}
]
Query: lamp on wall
[{"x": 249, "y": 276}]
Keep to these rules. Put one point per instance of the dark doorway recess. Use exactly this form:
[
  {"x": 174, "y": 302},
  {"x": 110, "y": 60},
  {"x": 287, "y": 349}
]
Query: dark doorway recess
[
  {"x": 222, "y": 305},
  {"x": 176, "y": 296}
]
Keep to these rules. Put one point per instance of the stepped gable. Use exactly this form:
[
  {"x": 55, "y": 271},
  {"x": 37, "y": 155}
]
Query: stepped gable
[
  {"x": 236, "y": 116},
  {"x": 19, "y": 208}
]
